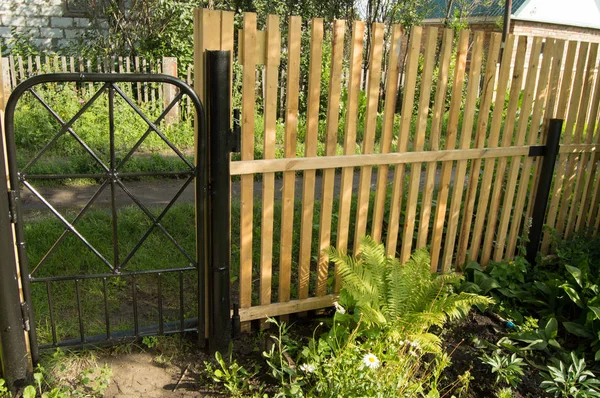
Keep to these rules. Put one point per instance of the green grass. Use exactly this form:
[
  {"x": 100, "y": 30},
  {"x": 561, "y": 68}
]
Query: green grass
[
  {"x": 35, "y": 127},
  {"x": 72, "y": 258}
]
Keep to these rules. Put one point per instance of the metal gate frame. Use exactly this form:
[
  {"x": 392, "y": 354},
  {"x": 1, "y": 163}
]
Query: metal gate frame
[{"x": 17, "y": 363}]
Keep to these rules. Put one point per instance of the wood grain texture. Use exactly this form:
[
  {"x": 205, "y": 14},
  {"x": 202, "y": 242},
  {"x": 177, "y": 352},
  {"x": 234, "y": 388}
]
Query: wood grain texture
[
  {"x": 561, "y": 113},
  {"x": 247, "y": 153},
  {"x": 345, "y": 202},
  {"x": 572, "y": 134},
  {"x": 507, "y": 138},
  {"x": 585, "y": 209},
  {"x": 480, "y": 134},
  {"x": 333, "y": 115},
  {"x": 488, "y": 168},
  {"x": 310, "y": 150},
  {"x": 364, "y": 183},
  {"x": 549, "y": 113},
  {"x": 576, "y": 169},
  {"x": 410, "y": 81},
  {"x": 290, "y": 141},
  {"x": 514, "y": 168},
  {"x": 391, "y": 92},
  {"x": 451, "y": 135},
  {"x": 465, "y": 143},
  {"x": 419, "y": 143},
  {"x": 438, "y": 110},
  {"x": 520, "y": 220},
  {"x": 273, "y": 48}
]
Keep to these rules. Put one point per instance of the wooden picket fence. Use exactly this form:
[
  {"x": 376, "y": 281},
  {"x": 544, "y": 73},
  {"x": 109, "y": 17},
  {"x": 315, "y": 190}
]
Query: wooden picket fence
[
  {"x": 463, "y": 183},
  {"x": 17, "y": 69}
]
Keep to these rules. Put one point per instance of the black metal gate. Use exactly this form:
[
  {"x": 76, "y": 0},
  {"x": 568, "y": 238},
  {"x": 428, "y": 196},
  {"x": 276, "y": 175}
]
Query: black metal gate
[
  {"x": 200, "y": 280},
  {"x": 112, "y": 178}
]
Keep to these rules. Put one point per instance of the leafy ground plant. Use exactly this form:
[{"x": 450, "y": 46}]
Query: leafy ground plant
[
  {"x": 508, "y": 369},
  {"x": 573, "y": 381},
  {"x": 380, "y": 342}
]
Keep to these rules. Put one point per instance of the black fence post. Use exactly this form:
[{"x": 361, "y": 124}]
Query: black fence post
[
  {"x": 218, "y": 105},
  {"x": 543, "y": 190},
  {"x": 13, "y": 350}
]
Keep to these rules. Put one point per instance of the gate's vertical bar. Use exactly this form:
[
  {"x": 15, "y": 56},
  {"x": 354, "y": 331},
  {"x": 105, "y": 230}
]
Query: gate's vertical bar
[
  {"x": 14, "y": 360},
  {"x": 543, "y": 189},
  {"x": 113, "y": 179},
  {"x": 217, "y": 106},
  {"x": 13, "y": 349}
]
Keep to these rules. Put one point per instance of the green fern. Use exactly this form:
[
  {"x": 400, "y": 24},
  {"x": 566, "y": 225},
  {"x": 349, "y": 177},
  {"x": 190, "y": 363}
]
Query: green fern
[{"x": 383, "y": 292}]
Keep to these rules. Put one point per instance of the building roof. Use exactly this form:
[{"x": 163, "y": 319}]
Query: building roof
[
  {"x": 582, "y": 13},
  {"x": 492, "y": 8}
]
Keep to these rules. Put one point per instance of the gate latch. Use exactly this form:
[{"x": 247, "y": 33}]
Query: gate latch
[
  {"x": 235, "y": 138},
  {"x": 12, "y": 206},
  {"x": 25, "y": 315}
]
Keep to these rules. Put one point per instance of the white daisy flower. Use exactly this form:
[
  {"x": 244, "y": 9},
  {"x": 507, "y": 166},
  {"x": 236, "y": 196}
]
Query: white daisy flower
[
  {"x": 371, "y": 361},
  {"x": 308, "y": 368},
  {"x": 339, "y": 308}
]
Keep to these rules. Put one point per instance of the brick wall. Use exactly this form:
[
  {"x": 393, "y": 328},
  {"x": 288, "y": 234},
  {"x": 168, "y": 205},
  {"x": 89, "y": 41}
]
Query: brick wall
[
  {"x": 555, "y": 31},
  {"x": 44, "y": 20}
]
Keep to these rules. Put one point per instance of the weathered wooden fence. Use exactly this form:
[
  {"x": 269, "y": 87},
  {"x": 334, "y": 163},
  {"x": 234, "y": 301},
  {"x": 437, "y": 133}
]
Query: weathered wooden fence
[
  {"x": 17, "y": 69},
  {"x": 453, "y": 172}
]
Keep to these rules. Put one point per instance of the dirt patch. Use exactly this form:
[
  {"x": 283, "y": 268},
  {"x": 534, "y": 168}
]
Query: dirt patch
[
  {"x": 149, "y": 374},
  {"x": 459, "y": 342}
]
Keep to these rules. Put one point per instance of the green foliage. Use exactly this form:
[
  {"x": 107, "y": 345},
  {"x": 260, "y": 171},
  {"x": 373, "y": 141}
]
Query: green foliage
[
  {"x": 574, "y": 381},
  {"x": 563, "y": 292},
  {"x": 508, "y": 370},
  {"x": 342, "y": 363},
  {"x": 35, "y": 127},
  {"x": 3, "y": 388},
  {"x": 150, "y": 341},
  {"x": 382, "y": 292},
  {"x": 19, "y": 43},
  {"x": 233, "y": 376},
  {"x": 505, "y": 392},
  {"x": 147, "y": 28}
]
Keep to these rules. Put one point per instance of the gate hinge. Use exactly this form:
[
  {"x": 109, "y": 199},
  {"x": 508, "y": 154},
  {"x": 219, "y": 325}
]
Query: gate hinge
[
  {"x": 25, "y": 315},
  {"x": 12, "y": 206}
]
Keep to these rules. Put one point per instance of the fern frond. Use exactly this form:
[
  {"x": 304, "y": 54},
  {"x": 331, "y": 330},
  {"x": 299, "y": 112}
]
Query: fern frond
[{"x": 428, "y": 342}]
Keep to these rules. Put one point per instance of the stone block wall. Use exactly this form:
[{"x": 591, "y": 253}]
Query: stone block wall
[{"x": 47, "y": 21}]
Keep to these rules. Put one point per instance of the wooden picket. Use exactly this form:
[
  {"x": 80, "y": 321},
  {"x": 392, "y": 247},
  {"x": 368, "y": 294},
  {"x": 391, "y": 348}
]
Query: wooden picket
[
  {"x": 451, "y": 136},
  {"x": 333, "y": 106},
  {"x": 391, "y": 92},
  {"x": 480, "y": 134},
  {"x": 345, "y": 202},
  {"x": 403, "y": 137},
  {"x": 268, "y": 194},
  {"x": 364, "y": 185},
  {"x": 465, "y": 143},
  {"x": 419, "y": 144},
  {"x": 507, "y": 139},
  {"x": 436, "y": 126},
  {"x": 309, "y": 176},
  {"x": 492, "y": 142}
]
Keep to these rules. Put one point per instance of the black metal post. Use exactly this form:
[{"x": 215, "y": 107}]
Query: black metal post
[
  {"x": 13, "y": 349},
  {"x": 543, "y": 190},
  {"x": 218, "y": 105}
]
